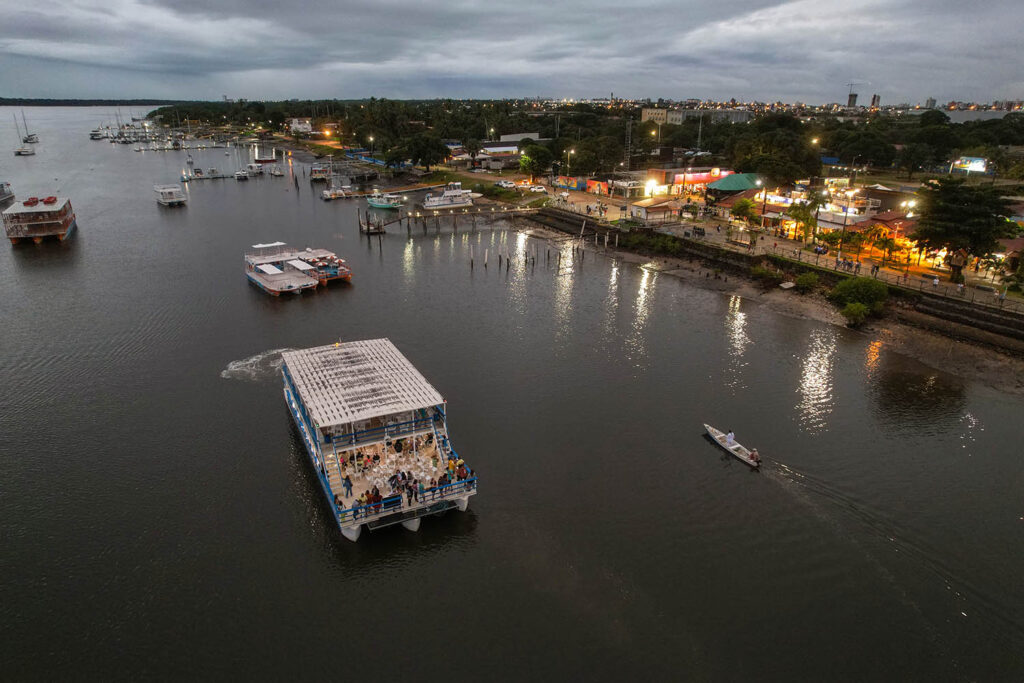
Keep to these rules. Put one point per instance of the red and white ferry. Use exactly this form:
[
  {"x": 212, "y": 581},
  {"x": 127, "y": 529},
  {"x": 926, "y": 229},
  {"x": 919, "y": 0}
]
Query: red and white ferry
[{"x": 37, "y": 219}]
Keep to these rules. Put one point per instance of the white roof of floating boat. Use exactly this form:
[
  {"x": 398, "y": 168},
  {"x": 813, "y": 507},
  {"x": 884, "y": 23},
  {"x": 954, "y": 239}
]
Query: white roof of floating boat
[
  {"x": 301, "y": 265},
  {"x": 269, "y": 269},
  {"x": 271, "y": 244},
  {"x": 352, "y": 381}
]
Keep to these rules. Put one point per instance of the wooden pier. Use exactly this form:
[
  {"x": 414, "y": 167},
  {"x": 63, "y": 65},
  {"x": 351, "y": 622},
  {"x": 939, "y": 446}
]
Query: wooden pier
[{"x": 375, "y": 225}]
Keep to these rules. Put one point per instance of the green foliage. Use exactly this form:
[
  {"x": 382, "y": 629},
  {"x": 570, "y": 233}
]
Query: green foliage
[
  {"x": 830, "y": 238},
  {"x": 495, "y": 192},
  {"x": 861, "y": 290},
  {"x": 744, "y": 209},
  {"x": 662, "y": 245},
  {"x": 806, "y": 282},
  {"x": 804, "y": 216},
  {"x": 956, "y": 215},
  {"x": 535, "y": 160},
  {"x": 767, "y": 277},
  {"x": 539, "y": 202},
  {"x": 426, "y": 150},
  {"x": 855, "y": 314}
]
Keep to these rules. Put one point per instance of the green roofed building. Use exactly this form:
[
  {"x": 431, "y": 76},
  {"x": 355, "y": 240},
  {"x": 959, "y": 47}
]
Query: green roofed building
[{"x": 737, "y": 182}]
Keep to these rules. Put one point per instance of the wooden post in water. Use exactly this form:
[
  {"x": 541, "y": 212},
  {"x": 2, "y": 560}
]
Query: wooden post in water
[
  {"x": 485, "y": 257},
  {"x": 499, "y": 261},
  {"x": 616, "y": 240},
  {"x": 471, "y": 257}
]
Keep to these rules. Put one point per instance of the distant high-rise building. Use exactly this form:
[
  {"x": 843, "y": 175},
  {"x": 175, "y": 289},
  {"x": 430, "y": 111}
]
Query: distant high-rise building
[
  {"x": 851, "y": 101},
  {"x": 876, "y": 101},
  {"x": 929, "y": 103}
]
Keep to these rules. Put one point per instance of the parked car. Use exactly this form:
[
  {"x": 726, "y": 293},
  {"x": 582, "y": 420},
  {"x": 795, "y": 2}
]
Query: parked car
[
  {"x": 507, "y": 184},
  {"x": 538, "y": 188}
]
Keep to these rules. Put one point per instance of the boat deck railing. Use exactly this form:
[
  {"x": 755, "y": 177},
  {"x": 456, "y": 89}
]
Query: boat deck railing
[{"x": 393, "y": 504}]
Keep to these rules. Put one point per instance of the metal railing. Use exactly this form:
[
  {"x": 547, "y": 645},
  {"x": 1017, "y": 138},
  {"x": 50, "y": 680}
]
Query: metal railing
[
  {"x": 393, "y": 503},
  {"x": 980, "y": 296}
]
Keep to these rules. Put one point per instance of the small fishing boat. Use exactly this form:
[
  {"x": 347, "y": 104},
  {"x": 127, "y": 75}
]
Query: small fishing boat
[
  {"x": 241, "y": 175},
  {"x": 736, "y": 449},
  {"x": 380, "y": 200}
]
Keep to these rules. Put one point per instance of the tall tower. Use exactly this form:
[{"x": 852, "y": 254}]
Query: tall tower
[
  {"x": 851, "y": 100},
  {"x": 876, "y": 101}
]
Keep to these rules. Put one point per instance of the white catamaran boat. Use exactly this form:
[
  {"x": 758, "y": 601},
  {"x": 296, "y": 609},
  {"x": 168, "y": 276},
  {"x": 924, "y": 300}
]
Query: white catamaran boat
[
  {"x": 453, "y": 197},
  {"x": 170, "y": 195},
  {"x": 734, "y": 448}
]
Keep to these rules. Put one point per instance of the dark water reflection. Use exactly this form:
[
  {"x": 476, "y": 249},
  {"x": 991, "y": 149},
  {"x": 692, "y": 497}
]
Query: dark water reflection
[{"x": 160, "y": 521}]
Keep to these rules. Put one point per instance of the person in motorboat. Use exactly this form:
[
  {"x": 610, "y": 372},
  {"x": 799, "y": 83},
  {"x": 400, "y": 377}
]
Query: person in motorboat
[
  {"x": 755, "y": 456},
  {"x": 730, "y": 439}
]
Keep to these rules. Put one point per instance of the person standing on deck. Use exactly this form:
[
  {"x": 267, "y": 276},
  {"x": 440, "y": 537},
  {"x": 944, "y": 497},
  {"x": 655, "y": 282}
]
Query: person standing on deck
[
  {"x": 347, "y": 485},
  {"x": 730, "y": 439}
]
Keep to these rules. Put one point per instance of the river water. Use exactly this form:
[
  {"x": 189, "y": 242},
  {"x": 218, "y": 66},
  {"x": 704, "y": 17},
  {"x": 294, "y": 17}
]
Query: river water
[{"x": 159, "y": 517}]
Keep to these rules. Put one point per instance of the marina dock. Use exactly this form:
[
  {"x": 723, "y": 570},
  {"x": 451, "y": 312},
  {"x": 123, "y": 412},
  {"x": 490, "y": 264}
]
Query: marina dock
[{"x": 366, "y": 413}]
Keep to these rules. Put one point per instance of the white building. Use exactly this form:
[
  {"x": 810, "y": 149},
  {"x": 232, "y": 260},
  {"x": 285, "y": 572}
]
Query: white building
[{"x": 300, "y": 125}]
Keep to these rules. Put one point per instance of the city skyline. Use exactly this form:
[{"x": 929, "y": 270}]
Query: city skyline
[{"x": 766, "y": 51}]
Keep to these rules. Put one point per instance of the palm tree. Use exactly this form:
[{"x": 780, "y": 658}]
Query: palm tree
[
  {"x": 887, "y": 245},
  {"x": 874, "y": 233},
  {"x": 472, "y": 148},
  {"x": 855, "y": 239}
]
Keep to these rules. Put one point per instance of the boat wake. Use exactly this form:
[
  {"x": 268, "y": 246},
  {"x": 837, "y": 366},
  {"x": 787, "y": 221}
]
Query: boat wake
[
  {"x": 851, "y": 518},
  {"x": 262, "y": 366}
]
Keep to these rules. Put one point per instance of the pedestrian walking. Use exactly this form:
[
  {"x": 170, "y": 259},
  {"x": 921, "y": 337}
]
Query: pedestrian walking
[{"x": 935, "y": 282}]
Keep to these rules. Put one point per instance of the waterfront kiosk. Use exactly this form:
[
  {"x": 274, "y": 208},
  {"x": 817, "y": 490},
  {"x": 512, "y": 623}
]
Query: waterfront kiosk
[{"x": 365, "y": 412}]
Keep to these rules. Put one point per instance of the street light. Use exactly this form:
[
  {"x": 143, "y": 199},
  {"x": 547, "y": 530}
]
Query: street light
[
  {"x": 371, "y": 145},
  {"x": 568, "y": 159},
  {"x": 492, "y": 133},
  {"x": 764, "y": 201}
]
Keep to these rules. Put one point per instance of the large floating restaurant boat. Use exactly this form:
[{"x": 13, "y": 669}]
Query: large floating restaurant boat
[
  {"x": 277, "y": 268},
  {"x": 365, "y": 412},
  {"x": 37, "y": 219}
]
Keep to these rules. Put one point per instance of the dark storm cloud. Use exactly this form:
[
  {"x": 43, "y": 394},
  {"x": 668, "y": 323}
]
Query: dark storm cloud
[{"x": 905, "y": 50}]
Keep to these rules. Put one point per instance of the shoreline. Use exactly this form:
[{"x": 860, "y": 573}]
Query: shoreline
[{"x": 967, "y": 359}]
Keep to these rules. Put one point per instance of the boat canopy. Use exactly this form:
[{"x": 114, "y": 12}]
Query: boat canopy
[
  {"x": 348, "y": 382},
  {"x": 269, "y": 269},
  {"x": 300, "y": 265},
  {"x": 271, "y": 244}
]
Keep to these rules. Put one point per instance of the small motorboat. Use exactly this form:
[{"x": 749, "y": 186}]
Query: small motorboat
[{"x": 736, "y": 449}]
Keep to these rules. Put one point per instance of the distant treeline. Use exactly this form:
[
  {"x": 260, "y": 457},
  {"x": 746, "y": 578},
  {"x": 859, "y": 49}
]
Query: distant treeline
[{"x": 31, "y": 102}]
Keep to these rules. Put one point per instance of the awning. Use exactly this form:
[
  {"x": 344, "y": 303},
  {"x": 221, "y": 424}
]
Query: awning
[
  {"x": 264, "y": 246},
  {"x": 300, "y": 265},
  {"x": 269, "y": 269}
]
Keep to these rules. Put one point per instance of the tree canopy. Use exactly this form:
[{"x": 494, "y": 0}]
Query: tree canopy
[
  {"x": 535, "y": 160},
  {"x": 956, "y": 216}
]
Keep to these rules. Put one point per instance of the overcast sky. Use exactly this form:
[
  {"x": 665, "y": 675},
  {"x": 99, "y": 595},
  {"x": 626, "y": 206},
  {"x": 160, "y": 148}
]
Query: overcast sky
[{"x": 904, "y": 50}]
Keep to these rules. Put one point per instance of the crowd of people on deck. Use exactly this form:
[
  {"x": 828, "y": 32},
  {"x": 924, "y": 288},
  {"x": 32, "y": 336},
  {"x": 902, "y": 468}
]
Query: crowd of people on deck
[{"x": 401, "y": 484}]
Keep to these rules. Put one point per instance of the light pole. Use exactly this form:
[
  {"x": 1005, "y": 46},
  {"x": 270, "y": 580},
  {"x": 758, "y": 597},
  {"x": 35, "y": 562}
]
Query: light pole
[
  {"x": 492, "y": 134},
  {"x": 371, "y": 145},
  {"x": 568, "y": 159},
  {"x": 764, "y": 201},
  {"x": 853, "y": 166}
]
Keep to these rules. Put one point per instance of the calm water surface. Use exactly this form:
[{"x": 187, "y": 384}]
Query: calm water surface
[{"x": 159, "y": 518}]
